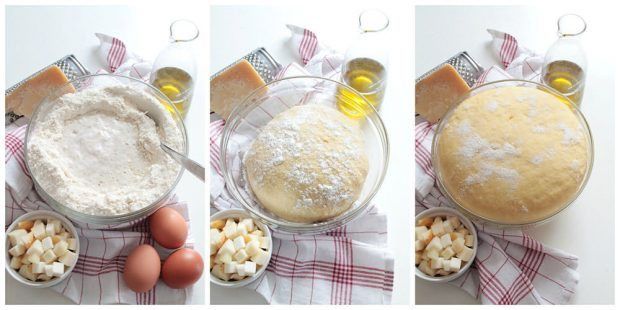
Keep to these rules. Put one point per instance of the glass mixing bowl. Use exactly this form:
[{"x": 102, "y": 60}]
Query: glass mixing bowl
[
  {"x": 247, "y": 119},
  {"x": 96, "y": 81},
  {"x": 506, "y": 83}
]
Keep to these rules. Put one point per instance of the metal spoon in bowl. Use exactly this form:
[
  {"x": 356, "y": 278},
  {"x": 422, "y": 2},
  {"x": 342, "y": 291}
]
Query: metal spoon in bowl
[{"x": 190, "y": 165}]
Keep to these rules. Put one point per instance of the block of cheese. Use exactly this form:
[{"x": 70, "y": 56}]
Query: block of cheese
[
  {"x": 234, "y": 84},
  {"x": 436, "y": 93},
  {"x": 25, "y": 98}
]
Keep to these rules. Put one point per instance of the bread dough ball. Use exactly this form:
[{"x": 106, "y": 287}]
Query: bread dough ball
[
  {"x": 513, "y": 155},
  {"x": 308, "y": 164}
]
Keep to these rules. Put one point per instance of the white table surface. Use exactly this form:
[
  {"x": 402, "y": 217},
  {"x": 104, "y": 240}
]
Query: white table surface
[
  {"x": 236, "y": 31},
  {"x": 38, "y": 36},
  {"x": 587, "y": 228}
]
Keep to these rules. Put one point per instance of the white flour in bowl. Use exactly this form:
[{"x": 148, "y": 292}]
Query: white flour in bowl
[{"x": 98, "y": 152}]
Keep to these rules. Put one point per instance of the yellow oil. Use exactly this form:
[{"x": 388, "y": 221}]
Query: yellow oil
[
  {"x": 367, "y": 76},
  {"x": 567, "y": 78},
  {"x": 177, "y": 85}
]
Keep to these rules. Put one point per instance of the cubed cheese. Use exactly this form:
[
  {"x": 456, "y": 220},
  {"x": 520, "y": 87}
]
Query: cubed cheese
[
  {"x": 235, "y": 276},
  {"x": 218, "y": 271},
  {"x": 239, "y": 243},
  {"x": 447, "y": 227},
  {"x": 249, "y": 268},
  {"x": 47, "y": 243},
  {"x": 240, "y": 269},
  {"x": 26, "y": 272},
  {"x": 218, "y": 224},
  {"x": 72, "y": 244},
  {"x": 419, "y": 245},
  {"x": 458, "y": 245},
  {"x": 61, "y": 248},
  {"x": 27, "y": 239},
  {"x": 418, "y": 258},
  {"x": 261, "y": 257},
  {"x": 16, "y": 262},
  {"x": 437, "y": 263},
  {"x": 426, "y": 268},
  {"x": 49, "y": 229},
  {"x": 38, "y": 267},
  {"x": 223, "y": 258},
  {"x": 258, "y": 232},
  {"x": 427, "y": 236},
  {"x": 469, "y": 241},
  {"x": 230, "y": 229},
  {"x": 466, "y": 254},
  {"x": 228, "y": 247},
  {"x": 57, "y": 269},
  {"x": 252, "y": 247},
  {"x": 38, "y": 230},
  {"x": 49, "y": 271},
  {"x": 33, "y": 258},
  {"x": 447, "y": 253},
  {"x": 454, "y": 221},
  {"x": 264, "y": 242},
  {"x": 48, "y": 256},
  {"x": 69, "y": 259},
  {"x": 230, "y": 267},
  {"x": 446, "y": 265},
  {"x": 250, "y": 237},
  {"x": 27, "y": 225},
  {"x": 432, "y": 254},
  {"x": 241, "y": 256},
  {"x": 36, "y": 248},
  {"x": 435, "y": 244},
  {"x": 427, "y": 221},
  {"x": 456, "y": 235},
  {"x": 419, "y": 232},
  {"x": 17, "y": 250},
  {"x": 248, "y": 223},
  {"x": 43, "y": 277},
  {"x": 455, "y": 264},
  {"x": 15, "y": 235},
  {"x": 446, "y": 241}
]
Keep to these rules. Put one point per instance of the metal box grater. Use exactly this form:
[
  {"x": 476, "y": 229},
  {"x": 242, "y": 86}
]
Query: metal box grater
[
  {"x": 266, "y": 66},
  {"x": 466, "y": 66},
  {"x": 69, "y": 65}
]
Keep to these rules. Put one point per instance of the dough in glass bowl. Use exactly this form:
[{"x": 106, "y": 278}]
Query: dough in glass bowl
[{"x": 308, "y": 164}]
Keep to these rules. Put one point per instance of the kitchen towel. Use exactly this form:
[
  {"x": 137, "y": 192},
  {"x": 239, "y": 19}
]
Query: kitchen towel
[
  {"x": 350, "y": 265},
  {"x": 510, "y": 266},
  {"x": 97, "y": 276}
]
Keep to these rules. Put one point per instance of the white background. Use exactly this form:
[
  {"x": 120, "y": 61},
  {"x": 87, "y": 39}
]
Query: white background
[
  {"x": 586, "y": 229},
  {"x": 235, "y": 31},
  {"x": 38, "y": 36}
]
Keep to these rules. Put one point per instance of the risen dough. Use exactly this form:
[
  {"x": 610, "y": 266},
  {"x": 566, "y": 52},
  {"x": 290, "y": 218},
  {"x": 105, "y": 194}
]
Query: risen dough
[
  {"x": 307, "y": 164},
  {"x": 513, "y": 155}
]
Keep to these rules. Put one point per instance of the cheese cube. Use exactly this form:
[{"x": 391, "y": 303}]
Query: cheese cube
[
  {"x": 26, "y": 260},
  {"x": 264, "y": 242},
  {"x": 57, "y": 225},
  {"x": 469, "y": 241},
  {"x": 216, "y": 240},
  {"x": 43, "y": 277},
  {"x": 437, "y": 263},
  {"x": 463, "y": 231},
  {"x": 49, "y": 271},
  {"x": 33, "y": 258},
  {"x": 446, "y": 265},
  {"x": 230, "y": 229},
  {"x": 447, "y": 227},
  {"x": 458, "y": 245},
  {"x": 57, "y": 269},
  {"x": 16, "y": 262},
  {"x": 248, "y": 223},
  {"x": 261, "y": 258},
  {"x": 38, "y": 230},
  {"x": 218, "y": 271},
  {"x": 239, "y": 243},
  {"x": 223, "y": 258},
  {"x": 419, "y": 245},
  {"x": 47, "y": 243},
  {"x": 258, "y": 232},
  {"x": 211, "y": 261},
  {"x": 250, "y": 237},
  {"x": 249, "y": 268},
  {"x": 64, "y": 235},
  {"x": 435, "y": 244},
  {"x": 438, "y": 228},
  {"x": 241, "y": 256},
  {"x": 432, "y": 254},
  {"x": 49, "y": 229},
  {"x": 466, "y": 254},
  {"x": 228, "y": 247},
  {"x": 218, "y": 224},
  {"x": 72, "y": 244},
  {"x": 235, "y": 276},
  {"x": 455, "y": 264},
  {"x": 56, "y": 239},
  {"x": 26, "y": 272},
  {"x": 17, "y": 250},
  {"x": 427, "y": 236},
  {"x": 26, "y": 240},
  {"x": 15, "y": 236},
  {"x": 252, "y": 247},
  {"x": 69, "y": 259},
  {"x": 454, "y": 221},
  {"x": 446, "y": 241},
  {"x": 230, "y": 267},
  {"x": 38, "y": 267},
  {"x": 426, "y": 268},
  {"x": 442, "y": 272},
  {"x": 419, "y": 231},
  {"x": 447, "y": 253},
  {"x": 456, "y": 235},
  {"x": 36, "y": 248},
  {"x": 424, "y": 255},
  {"x": 231, "y": 86},
  {"x": 27, "y": 225},
  {"x": 240, "y": 269},
  {"x": 48, "y": 256},
  {"x": 61, "y": 248},
  {"x": 427, "y": 221},
  {"x": 418, "y": 258},
  {"x": 241, "y": 230}
]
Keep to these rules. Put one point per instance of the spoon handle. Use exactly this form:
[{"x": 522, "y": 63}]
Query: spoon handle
[{"x": 191, "y": 166}]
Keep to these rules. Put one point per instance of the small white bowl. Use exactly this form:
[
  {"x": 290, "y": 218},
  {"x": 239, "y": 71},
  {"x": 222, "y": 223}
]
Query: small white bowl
[
  {"x": 444, "y": 211},
  {"x": 35, "y": 215},
  {"x": 238, "y": 213}
]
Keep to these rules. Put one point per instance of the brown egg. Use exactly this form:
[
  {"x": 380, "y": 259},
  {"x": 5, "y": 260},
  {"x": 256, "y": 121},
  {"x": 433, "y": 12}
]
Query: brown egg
[
  {"x": 182, "y": 268},
  {"x": 142, "y": 268},
  {"x": 168, "y": 228}
]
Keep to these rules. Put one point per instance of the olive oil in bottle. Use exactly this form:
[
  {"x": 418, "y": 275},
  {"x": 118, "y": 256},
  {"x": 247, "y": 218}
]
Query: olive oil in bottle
[
  {"x": 367, "y": 76},
  {"x": 176, "y": 84},
  {"x": 566, "y": 77}
]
